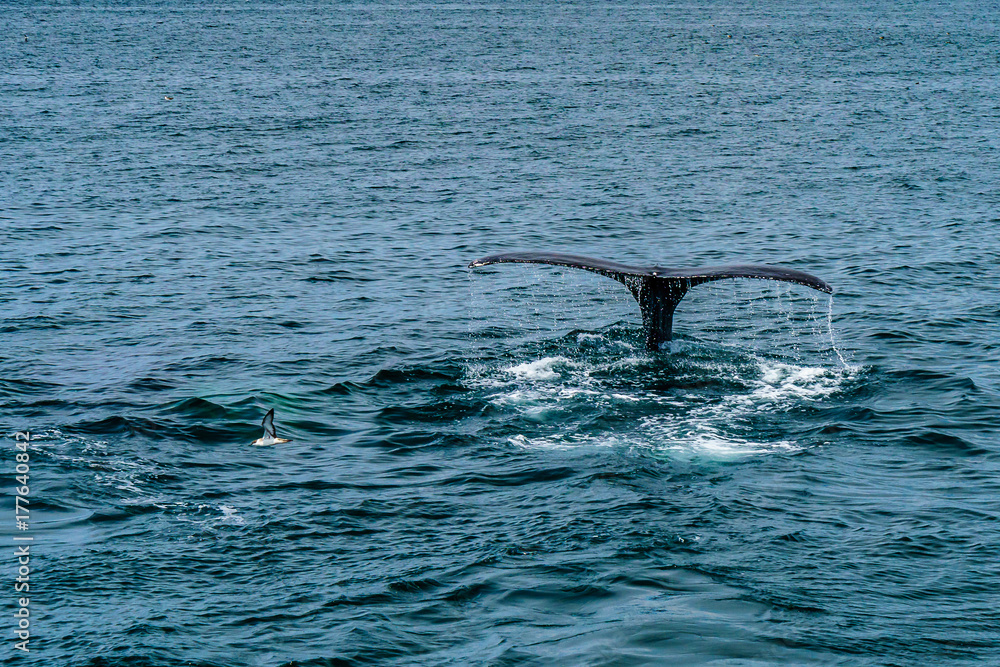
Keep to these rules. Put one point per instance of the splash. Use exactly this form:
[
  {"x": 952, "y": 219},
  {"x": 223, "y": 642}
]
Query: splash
[
  {"x": 833, "y": 343},
  {"x": 542, "y": 369},
  {"x": 783, "y": 384},
  {"x": 706, "y": 406}
]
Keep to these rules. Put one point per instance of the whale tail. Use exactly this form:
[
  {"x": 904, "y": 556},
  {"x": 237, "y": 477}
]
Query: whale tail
[{"x": 658, "y": 289}]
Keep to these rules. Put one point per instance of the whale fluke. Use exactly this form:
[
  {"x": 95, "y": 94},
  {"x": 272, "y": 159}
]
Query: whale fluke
[{"x": 658, "y": 289}]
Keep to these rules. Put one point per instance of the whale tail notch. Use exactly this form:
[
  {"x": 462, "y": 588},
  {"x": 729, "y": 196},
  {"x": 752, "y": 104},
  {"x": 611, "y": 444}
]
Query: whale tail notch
[
  {"x": 657, "y": 299},
  {"x": 657, "y": 289}
]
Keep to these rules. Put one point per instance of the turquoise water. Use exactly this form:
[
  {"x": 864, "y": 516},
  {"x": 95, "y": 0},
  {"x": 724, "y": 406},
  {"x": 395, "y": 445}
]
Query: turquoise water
[{"x": 486, "y": 467}]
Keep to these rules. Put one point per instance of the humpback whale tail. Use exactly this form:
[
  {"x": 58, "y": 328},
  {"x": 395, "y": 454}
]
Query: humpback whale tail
[{"x": 657, "y": 289}]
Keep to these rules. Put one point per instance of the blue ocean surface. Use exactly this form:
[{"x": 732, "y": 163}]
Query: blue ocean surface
[{"x": 214, "y": 209}]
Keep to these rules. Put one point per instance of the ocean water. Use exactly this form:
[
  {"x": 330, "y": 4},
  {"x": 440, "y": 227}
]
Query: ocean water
[{"x": 486, "y": 467}]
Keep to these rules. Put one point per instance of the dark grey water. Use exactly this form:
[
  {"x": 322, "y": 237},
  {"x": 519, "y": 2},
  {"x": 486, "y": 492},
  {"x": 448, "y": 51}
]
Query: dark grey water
[{"x": 486, "y": 468}]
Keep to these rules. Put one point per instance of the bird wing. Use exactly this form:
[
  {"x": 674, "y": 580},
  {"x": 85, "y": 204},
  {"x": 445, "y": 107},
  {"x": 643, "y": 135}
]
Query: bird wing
[{"x": 268, "y": 424}]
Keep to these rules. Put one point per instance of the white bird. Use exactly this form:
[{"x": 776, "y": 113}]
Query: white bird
[{"x": 269, "y": 437}]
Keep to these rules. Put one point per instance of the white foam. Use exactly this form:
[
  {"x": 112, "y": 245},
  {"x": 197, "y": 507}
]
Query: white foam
[
  {"x": 568, "y": 441},
  {"x": 229, "y": 515},
  {"x": 543, "y": 369},
  {"x": 725, "y": 449},
  {"x": 702, "y": 435},
  {"x": 680, "y": 424},
  {"x": 681, "y": 440},
  {"x": 780, "y": 382}
]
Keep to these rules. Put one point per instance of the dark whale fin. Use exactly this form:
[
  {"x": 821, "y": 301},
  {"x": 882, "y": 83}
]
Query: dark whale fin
[{"x": 657, "y": 289}]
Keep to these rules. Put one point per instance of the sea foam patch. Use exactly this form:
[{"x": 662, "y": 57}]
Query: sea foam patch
[
  {"x": 782, "y": 382},
  {"x": 706, "y": 408},
  {"x": 707, "y": 434},
  {"x": 549, "y": 368}
]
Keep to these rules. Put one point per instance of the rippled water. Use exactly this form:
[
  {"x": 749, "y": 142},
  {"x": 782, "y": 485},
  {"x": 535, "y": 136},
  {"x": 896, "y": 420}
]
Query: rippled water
[{"x": 486, "y": 467}]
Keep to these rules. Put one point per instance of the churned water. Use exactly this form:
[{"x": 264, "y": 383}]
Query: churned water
[{"x": 210, "y": 210}]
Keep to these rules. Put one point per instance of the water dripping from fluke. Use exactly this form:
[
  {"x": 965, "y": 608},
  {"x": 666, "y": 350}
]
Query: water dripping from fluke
[{"x": 833, "y": 342}]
